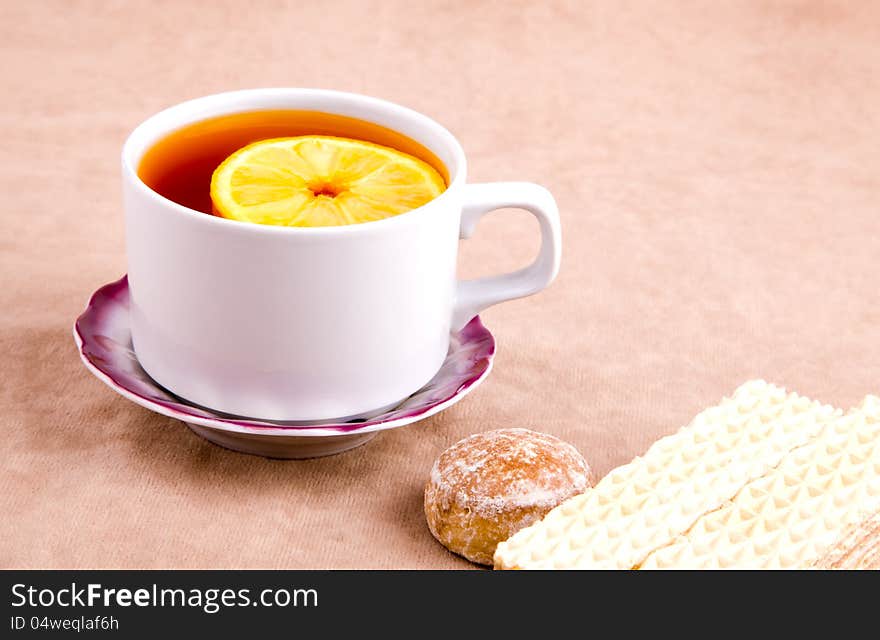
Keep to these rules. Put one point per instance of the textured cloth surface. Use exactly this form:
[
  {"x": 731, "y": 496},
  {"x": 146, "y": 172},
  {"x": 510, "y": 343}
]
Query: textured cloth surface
[{"x": 715, "y": 166}]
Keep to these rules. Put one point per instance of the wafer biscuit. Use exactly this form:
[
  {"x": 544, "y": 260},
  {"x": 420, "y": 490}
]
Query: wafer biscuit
[
  {"x": 857, "y": 548},
  {"x": 792, "y": 515},
  {"x": 645, "y": 504}
]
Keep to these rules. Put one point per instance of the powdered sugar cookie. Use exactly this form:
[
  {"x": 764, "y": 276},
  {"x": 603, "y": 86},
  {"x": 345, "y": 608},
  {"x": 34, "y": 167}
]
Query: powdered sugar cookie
[{"x": 486, "y": 487}]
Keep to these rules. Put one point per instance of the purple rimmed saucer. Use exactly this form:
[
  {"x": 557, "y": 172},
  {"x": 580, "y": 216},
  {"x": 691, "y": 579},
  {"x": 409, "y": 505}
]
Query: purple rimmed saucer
[{"x": 103, "y": 338}]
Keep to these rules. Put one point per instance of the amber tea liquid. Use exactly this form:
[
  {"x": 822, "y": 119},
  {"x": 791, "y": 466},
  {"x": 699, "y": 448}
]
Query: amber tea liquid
[{"x": 180, "y": 165}]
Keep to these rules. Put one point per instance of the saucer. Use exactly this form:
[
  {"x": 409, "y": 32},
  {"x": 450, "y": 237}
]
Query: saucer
[{"x": 103, "y": 337}]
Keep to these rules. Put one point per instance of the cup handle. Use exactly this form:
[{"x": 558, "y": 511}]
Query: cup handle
[{"x": 472, "y": 296}]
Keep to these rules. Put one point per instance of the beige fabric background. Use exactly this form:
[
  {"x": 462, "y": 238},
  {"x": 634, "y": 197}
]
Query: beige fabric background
[{"x": 716, "y": 165}]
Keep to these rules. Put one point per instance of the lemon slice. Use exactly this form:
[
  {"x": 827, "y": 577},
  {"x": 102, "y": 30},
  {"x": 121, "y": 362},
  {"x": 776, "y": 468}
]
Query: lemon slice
[{"x": 320, "y": 181}]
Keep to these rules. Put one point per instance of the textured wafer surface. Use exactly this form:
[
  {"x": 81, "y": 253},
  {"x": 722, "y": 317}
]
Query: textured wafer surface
[
  {"x": 647, "y": 503},
  {"x": 857, "y": 548},
  {"x": 792, "y": 515}
]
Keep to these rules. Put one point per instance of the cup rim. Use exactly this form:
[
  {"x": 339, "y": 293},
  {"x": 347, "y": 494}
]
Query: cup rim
[{"x": 184, "y": 113}]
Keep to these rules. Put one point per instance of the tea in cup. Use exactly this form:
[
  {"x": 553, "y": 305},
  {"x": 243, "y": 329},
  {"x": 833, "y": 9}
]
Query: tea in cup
[{"x": 244, "y": 304}]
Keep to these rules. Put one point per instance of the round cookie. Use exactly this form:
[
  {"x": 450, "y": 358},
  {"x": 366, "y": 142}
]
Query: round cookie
[{"x": 488, "y": 486}]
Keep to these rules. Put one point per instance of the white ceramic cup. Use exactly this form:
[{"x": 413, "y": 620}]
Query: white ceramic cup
[{"x": 300, "y": 324}]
